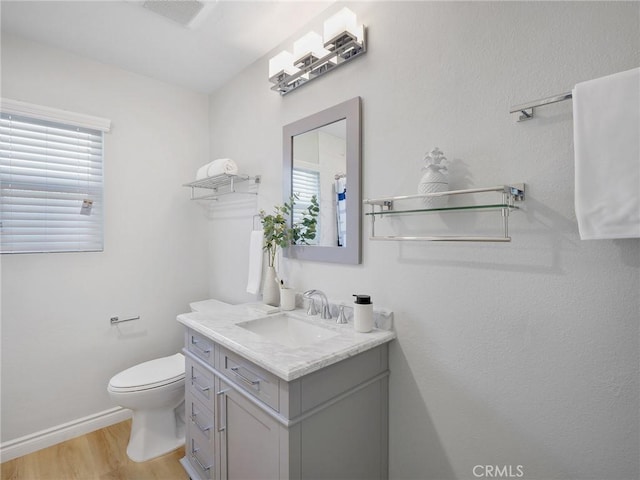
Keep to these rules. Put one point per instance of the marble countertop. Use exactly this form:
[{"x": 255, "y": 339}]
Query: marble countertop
[{"x": 218, "y": 321}]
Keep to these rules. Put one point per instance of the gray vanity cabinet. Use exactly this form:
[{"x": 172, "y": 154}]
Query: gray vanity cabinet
[{"x": 245, "y": 423}]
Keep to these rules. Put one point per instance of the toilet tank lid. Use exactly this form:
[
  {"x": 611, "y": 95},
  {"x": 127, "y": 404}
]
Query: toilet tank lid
[
  {"x": 153, "y": 373},
  {"x": 208, "y": 305}
]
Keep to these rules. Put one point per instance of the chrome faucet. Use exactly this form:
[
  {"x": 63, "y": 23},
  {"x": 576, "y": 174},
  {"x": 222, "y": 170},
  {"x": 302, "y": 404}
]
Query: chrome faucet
[{"x": 325, "y": 313}]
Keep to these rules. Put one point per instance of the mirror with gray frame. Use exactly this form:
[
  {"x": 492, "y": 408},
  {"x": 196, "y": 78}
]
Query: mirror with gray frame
[{"x": 322, "y": 158}]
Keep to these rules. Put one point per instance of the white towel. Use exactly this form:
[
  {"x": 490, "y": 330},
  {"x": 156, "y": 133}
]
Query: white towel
[
  {"x": 222, "y": 165},
  {"x": 217, "y": 167},
  {"x": 255, "y": 262},
  {"x": 202, "y": 172},
  {"x": 606, "y": 137}
]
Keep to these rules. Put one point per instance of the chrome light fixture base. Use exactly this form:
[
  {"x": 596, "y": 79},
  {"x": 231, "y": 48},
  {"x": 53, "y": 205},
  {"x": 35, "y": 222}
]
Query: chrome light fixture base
[{"x": 342, "y": 49}]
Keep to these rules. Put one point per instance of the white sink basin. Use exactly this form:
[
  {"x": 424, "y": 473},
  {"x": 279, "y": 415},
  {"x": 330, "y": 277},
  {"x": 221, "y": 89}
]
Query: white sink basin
[{"x": 287, "y": 330}]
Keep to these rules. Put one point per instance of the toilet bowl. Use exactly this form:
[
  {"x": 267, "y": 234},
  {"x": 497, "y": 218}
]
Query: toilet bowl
[{"x": 154, "y": 391}]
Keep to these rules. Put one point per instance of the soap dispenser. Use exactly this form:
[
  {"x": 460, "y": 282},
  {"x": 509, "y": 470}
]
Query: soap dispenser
[{"x": 363, "y": 314}]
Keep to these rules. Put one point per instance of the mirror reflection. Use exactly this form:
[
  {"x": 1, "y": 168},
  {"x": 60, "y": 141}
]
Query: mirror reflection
[{"x": 320, "y": 169}]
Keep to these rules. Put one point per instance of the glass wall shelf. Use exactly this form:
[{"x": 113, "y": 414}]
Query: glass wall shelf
[
  {"x": 443, "y": 209},
  {"x": 219, "y": 185},
  {"x": 388, "y": 206}
]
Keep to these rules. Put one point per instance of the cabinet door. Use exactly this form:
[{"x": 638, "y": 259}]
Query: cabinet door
[{"x": 249, "y": 439}]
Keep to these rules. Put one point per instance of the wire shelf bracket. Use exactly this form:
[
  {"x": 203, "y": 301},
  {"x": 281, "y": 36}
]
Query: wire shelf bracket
[{"x": 220, "y": 185}]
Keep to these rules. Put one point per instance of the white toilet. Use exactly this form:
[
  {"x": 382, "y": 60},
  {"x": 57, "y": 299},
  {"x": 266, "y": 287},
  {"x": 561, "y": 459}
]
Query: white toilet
[{"x": 154, "y": 390}]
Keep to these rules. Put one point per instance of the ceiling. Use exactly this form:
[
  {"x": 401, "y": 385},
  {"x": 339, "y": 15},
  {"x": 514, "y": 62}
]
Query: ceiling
[{"x": 223, "y": 40}]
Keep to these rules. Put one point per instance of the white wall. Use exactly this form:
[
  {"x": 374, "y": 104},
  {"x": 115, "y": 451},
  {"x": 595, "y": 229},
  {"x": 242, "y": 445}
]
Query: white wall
[
  {"x": 511, "y": 354},
  {"x": 58, "y": 347}
]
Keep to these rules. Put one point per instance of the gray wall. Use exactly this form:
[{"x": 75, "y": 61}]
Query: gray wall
[{"x": 517, "y": 354}]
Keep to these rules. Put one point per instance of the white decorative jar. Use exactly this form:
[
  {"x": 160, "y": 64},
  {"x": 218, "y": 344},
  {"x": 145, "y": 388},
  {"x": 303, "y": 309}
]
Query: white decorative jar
[{"x": 434, "y": 179}]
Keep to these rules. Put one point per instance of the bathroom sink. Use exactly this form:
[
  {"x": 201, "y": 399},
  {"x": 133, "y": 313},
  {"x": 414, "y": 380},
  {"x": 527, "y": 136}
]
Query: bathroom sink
[{"x": 285, "y": 329}]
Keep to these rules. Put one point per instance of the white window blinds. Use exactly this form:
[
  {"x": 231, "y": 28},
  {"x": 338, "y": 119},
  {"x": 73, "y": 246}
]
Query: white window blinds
[
  {"x": 51, "y": 186},
  {"x": 305, "y": 183}
]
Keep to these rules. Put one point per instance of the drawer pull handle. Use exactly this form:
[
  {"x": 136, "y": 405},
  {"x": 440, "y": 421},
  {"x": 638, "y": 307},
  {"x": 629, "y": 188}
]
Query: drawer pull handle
[
  {"x": 202, "y": 429},
  {"x": 198, "y": 386},
  {"x": 195, "y": 343},
  {"x": 195, "y": 457},
  {"x": 246, "y": 380}
]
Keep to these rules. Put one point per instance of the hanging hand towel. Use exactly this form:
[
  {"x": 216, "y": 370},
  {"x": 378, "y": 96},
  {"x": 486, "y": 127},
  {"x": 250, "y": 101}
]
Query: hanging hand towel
[
  {"x": 606, "y": 133},
  {"x": 255, "y": 262}
]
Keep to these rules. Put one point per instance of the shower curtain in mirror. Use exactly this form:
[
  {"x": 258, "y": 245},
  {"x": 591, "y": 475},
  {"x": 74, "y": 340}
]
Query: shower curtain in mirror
[{"x": 341, "y": 208}]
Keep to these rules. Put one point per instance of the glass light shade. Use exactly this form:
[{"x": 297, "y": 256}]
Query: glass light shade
[
  {"x": 343, "y": 21},
  {"x": 311, "y": 43},
  {"x": 282, "y": 62},
  {"x": 360, "y": 34}
]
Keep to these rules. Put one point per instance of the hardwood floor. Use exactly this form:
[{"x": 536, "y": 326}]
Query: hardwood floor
[{"x": 99, "y": 455}]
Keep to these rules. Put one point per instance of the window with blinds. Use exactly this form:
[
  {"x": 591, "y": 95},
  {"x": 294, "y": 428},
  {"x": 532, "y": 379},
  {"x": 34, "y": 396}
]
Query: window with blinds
[
  {"x": 305, "y": 183},
  {"x": 51, "y": 186}
]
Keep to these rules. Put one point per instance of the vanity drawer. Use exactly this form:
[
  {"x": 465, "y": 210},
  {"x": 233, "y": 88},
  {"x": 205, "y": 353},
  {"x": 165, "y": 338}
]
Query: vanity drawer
[
  {"x": 200, "y": 418},
  {"x": 200, "y": 346},
  {"x": 200, "y": 383},
  {"x": 250, "y": 377},
  {"x": 200, "y": 455}
]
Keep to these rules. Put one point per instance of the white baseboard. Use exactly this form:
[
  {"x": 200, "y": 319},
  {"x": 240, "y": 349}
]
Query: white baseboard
[{"x": 52, "y": 436}]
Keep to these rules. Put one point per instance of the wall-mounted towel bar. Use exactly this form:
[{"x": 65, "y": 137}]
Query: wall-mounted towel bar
[{"x": 526, "y": 109}]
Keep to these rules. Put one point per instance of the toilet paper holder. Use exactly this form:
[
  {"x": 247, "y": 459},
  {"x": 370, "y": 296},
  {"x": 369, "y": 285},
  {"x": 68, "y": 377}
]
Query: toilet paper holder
[{"x": 115, "y": 320}]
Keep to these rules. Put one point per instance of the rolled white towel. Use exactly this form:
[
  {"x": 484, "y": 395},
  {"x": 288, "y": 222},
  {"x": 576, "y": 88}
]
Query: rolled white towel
[
  {"x": 202, "y": 171},
  {"x": 217, "y": 167},
  {"x": 222, "y": 165}
]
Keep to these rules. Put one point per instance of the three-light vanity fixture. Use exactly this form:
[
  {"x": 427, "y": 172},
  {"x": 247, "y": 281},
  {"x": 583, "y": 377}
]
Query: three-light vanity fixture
[{"x": 312, "y": 56}]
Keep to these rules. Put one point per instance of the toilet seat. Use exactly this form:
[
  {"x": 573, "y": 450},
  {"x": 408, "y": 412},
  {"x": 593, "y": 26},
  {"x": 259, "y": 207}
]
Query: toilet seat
[{"x": 152, "y": 374}]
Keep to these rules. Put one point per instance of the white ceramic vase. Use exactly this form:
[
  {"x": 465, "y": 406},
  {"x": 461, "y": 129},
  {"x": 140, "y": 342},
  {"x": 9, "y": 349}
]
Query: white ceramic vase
[
  {"x": 271, "y": 289},
  {"x": 434, "y": 181}
]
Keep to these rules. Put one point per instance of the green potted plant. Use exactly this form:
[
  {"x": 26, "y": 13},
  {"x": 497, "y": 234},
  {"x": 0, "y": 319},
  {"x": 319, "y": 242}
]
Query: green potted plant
[{"x": 280, "y": 232}]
